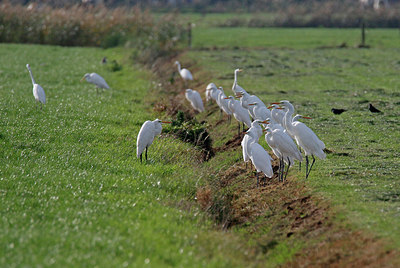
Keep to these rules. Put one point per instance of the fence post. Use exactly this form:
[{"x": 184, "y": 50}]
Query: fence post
[
  {"x": 190, "y": 34},
  {"x": 363, "y": 34}
]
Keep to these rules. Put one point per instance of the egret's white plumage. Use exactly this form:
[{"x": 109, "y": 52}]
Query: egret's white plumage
[
  {"x": 214, "y": 92},
  {"x": 185, "y": 73},
  {"x": 285, "y": 147},
  {"x": 147, "y": 133},
  {"x": 38, "y": 91},
  {"x": 210, "y": 87},
  {"x": 258, "y": 156},
  {"x": 305, "y": 138},
  {"x": 240, "y": 113},
  {"x": 96, "y": 80},
  {"x": 195, "y": 100},
  {"x": 260, "y": 111},
  {"x": 222, "y": 102},
  {"x": 277, "y": 114},
  {"x": 256, "y": 131},
  {"x": 247, "y": 99},
  {"x": 235, "y": 87}
]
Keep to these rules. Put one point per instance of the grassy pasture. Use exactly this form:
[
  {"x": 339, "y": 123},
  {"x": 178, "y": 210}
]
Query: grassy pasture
[
  {"x": 361, "y": 174},
  {"x": 72, "y": 192}
]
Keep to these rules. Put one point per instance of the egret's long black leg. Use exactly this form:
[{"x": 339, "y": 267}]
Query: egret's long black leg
[
  {"x": 141, "y": 158},
  {"x": 306, "y": 166},
  {"x": 287, "y": 170},
  {"x": 238, "y": 128},
  {"x": 299, "y": 161},
  {"x": 311, "y": 166},
  {"x": 243, "y": 126},
  {"x": 146, "y": 153},
  {"x": 258, "y": 180},
  {"x": 283, "y": 170},
  {"x": 220, "y": 114}
]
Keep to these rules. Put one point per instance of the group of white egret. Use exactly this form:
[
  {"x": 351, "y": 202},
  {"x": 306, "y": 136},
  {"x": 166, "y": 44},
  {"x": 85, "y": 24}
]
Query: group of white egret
[
  {"x": 40, "y": 96},
  {"x": 276, "y": 122},
  {"x": 281, "y": 129}
]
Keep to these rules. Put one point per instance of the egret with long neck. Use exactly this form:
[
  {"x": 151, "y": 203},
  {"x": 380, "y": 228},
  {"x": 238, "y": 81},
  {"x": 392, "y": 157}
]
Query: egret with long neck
[{"x": 38, "y": 91}]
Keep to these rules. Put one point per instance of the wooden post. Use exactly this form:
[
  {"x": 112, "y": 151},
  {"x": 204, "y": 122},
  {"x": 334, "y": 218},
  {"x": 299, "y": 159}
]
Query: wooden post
[
  {"x": 190, "y": 34},
  {"x": 363, "y": 34}
]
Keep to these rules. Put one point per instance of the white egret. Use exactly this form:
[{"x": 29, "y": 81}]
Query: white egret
[
  {"x": 185, "y": 73},
  {"x": 214, "y": 92},
  {"x": 256, "y": 131},
  {"x": 210, "y": 87},
  {"x": 38, "y": 91},
  {"x": 223, "y": 103},
  {"x": 235, "y": 87},
  {"x": 277, "y": 113},
  {"x": 258, "y": 156},
  {"x": 240, "y": 113},
  {"x": 147, "y": 133},
  {"x": 307, "y": 140},
  {"x": 246, "y": 99},
  {"x": 97, "y": 80},
  {"x": 194, "y": 98},
  {"x": 260, "y": 111},
  {"x": 284, "y": 148}
]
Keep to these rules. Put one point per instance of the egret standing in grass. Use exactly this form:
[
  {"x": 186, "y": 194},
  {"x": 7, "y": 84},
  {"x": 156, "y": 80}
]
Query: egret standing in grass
[
  {"x": 210, "y": 88},
  {"x": 240, "y": 113},
  {"x": 195, "y": 100},
  {"x": 235, "y": 87},
  {"x": 96, "y": 80},
  {"x": 306, "y": 139},
  {"x": 258, "y": 156},
  {"x": 147, "y": 133},
  {"x": 38, "y": 91},
  {"x": 284, "y": 148},
  {"x": 185, "y": 73}
]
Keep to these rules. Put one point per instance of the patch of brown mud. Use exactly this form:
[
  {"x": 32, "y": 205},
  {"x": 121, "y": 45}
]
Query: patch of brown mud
[
  {"x": 233, "y": 143},
  {"x": 344, "y": 248}
]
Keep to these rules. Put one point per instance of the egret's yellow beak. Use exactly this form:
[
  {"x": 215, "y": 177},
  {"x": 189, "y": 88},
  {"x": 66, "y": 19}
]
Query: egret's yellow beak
[
  {"x": 166, "y": 122},
  {"x": 306, "y": 117},
  {"x": 83, "y": 78}
]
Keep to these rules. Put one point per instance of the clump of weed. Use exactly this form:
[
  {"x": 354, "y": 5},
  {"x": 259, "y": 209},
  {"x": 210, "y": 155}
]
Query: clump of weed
[{"x": 190, "y": 130}]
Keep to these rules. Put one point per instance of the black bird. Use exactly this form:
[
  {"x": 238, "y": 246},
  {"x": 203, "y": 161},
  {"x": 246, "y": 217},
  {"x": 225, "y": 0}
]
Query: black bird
[
  {"x": 104, "y": 60},
  {"x": 373, "y": 109},
  {"x": 338, "y": 111}
]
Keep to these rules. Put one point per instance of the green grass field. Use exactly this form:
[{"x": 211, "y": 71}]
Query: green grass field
[
  {"x": 361, "y": 175},
  {"x": 72, "y": 192}
]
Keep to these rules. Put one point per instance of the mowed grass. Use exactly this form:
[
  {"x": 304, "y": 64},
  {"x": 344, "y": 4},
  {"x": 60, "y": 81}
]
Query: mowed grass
[
  {"x": 361, "y": 174},
  {"x": 72, "y": 192}
]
